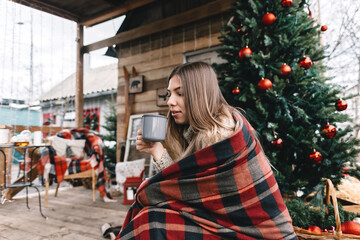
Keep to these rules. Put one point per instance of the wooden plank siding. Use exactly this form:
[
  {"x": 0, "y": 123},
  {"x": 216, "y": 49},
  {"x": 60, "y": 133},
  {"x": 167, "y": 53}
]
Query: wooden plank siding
[{"x": 155, "y": 56}]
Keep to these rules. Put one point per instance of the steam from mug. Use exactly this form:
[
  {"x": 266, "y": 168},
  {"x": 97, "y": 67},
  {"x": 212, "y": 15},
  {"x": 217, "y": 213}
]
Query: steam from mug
[{"x": 154, "y": 127}]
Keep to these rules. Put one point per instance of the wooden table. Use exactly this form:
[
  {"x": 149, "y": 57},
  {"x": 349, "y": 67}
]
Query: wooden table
[{"x": 26, "y": 180}]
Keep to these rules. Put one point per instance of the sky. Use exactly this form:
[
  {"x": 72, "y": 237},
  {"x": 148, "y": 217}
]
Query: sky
[{"x": 54, "y": 49}]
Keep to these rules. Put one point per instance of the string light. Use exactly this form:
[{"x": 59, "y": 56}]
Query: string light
[
  {"x": 12, "y": 64},
  {"x": 5, "y": 34}
]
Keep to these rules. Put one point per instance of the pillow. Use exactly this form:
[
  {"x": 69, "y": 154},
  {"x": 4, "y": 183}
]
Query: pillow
[
  {"x": 129, "y": 169},
  {"x": 68, "y": 148}
]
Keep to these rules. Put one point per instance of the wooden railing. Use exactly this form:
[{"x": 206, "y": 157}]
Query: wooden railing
[{"x": 48, "y": 130}]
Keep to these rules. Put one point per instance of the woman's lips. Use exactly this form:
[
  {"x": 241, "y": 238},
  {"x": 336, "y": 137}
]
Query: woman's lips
[{"x": 175, "y": 113}]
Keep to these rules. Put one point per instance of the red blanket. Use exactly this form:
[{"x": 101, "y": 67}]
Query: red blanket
[
  {"x": 95, "y": 157},
  {"x": 224, "y": 191}
]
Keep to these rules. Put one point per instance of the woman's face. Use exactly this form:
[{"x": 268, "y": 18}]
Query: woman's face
[{"x": 176, "y": 101}]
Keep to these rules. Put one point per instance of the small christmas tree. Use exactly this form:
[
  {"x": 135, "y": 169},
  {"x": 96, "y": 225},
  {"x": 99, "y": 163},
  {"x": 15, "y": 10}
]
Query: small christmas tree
[
  {"x": 110, "y": 137},
  {"x": 274, "y": 72}
]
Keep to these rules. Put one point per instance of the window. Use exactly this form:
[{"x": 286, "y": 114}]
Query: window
[{"x": 208, "y": 55}]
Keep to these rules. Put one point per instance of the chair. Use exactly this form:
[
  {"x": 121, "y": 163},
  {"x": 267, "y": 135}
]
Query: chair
[
  {"x": 87, "y": 174},
  {"x": 72, "y": 166}
]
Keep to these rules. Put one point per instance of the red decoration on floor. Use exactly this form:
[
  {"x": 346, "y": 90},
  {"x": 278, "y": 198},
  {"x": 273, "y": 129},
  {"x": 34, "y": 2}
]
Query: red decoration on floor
[
  {"x": 324, "y": 28},
  {"x": 328, "y": 131},
  {"x": 131, "y": 185},
  {"x": 245, "y": 52},
  {"x": 315, "y": 157},
  {"x": 314, "y": 229},
  {"x": 264, "y": 84},
  {"x": 285, "y": 70},
  {"x": 268, "y": 19},
  {"x": 305, "y": 62},
  {"x": 350, "y": 227},
  {"x": 340, "y": 105}
]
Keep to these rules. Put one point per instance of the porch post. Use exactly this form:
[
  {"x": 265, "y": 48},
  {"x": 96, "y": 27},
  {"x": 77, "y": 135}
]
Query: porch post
[{"x": 79, "y": 92}]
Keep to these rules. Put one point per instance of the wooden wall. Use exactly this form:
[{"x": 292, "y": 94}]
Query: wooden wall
[{"x": 155, "y": 56}]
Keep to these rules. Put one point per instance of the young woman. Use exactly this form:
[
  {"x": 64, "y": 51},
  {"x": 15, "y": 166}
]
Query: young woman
[
  {"x": 215, "y": 181},
  {"x": 198, "y": 115}
]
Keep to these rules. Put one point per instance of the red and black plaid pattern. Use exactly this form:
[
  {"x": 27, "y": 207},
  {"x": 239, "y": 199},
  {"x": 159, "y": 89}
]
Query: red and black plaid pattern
[
  {"x": 224, "y": 191},
  {"x": 95, "y": 157}
]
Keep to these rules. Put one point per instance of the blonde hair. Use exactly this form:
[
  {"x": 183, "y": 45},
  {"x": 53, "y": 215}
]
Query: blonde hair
[{"x": 204, "y": 105}]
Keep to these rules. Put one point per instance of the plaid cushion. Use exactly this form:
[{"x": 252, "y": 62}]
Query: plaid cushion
[{"x": 224, "y": 191}]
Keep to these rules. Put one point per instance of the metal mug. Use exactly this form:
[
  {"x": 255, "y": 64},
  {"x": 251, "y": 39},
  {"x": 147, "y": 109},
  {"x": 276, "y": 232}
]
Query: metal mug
[{"x": 154, "y": 127}]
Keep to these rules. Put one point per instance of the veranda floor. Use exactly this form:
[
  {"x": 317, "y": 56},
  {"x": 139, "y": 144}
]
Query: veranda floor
[{"x": 71, "y": 215}]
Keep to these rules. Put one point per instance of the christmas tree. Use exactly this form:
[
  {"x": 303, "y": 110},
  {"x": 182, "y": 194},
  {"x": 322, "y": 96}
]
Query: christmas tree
[
  {"x": 110, "y": 137},
  {"x": 274, "y": 71}
]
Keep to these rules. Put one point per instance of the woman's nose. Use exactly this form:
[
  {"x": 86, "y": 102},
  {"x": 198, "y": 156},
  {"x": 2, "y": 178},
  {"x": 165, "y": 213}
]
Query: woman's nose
[{"x": 171, "y": 101}]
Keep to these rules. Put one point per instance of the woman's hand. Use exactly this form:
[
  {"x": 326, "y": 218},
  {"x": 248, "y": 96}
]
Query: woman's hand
[{"x": 154, "y": 148}]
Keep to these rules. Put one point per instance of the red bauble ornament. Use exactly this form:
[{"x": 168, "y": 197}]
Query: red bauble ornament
[
  {"x": 350, "y": 227},
  {"x": 285, "y": 70},
  {"x": 314, "y": 229},
  {"x": 324, "y": 28},
  {"x": 245, "y": 52},
  {"x": 340, "y": 105},
  {"x": 286, "y": 3},
  {"x": 305, "y": 62},
  {"x": 315, "y": 157},
  {"x": 264, "y": 84},
  {"x": 236, "y": 91},
  {"x": 277, "y": 143},
  {"x": 328, "y": 131},
  {"x": 268, "y": 19}
]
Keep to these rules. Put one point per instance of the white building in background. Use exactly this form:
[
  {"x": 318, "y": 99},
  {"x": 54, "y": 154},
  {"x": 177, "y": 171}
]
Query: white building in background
[
  {"x": 100, "y": 88},
  {"x": 353, "y": 109}
]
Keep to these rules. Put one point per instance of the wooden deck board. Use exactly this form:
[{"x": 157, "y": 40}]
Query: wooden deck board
[{"x": 71, "y": 215}]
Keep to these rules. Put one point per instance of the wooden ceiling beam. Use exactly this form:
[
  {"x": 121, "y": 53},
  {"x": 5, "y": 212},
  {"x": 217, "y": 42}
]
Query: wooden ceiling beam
[
  {"x": 117, "y": 11},
  {"x": 46, "y": 7},
  {"x": 192, "y": 15}
]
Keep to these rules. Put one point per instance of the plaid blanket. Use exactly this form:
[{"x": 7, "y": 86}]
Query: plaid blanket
[
  {"x": 224, "y": 191},
  {"x": 59, "y": 165}
]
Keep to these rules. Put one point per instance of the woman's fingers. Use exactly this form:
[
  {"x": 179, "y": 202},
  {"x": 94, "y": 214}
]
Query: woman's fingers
[{"x": 142, "y": 145}]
